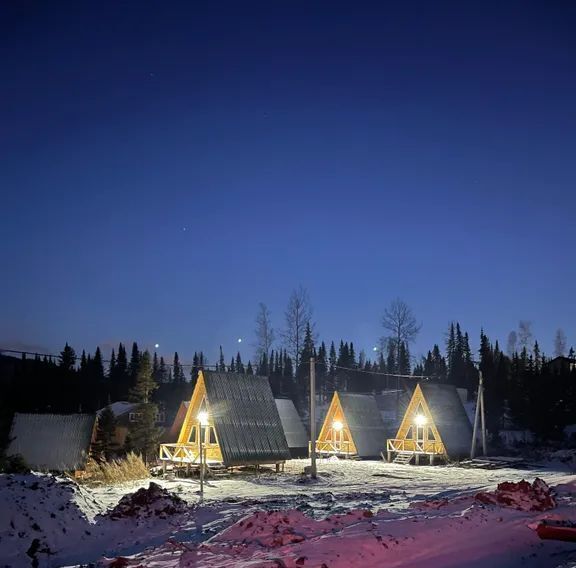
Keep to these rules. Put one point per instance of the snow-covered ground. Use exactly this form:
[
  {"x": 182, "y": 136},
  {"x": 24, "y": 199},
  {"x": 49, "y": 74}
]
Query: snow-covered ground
[{"x": 356, "y": 514}]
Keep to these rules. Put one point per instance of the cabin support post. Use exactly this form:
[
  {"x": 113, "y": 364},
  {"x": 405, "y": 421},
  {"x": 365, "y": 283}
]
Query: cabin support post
[
  {"x": 432, "y": 459},
  {"x": 417, "y": 459},
  {"x": 389, "y": 456}
]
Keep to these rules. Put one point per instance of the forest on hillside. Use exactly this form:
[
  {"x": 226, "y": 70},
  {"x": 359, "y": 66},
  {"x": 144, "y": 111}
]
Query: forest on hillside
[{"x": 523, "y": 387}]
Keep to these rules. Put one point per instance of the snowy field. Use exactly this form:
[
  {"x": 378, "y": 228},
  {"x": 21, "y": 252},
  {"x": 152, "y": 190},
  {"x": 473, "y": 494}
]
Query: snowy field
[{"x": 356, "y": 514}]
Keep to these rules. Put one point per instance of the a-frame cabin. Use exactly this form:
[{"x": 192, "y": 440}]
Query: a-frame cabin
[
  {"x": 435, "y": 425},
  {"x": 237, "y": 419},
  {"x": 353, "y": 427}
]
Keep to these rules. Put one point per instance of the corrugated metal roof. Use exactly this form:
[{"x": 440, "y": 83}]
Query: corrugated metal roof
[
  {"x": 56, "y": 442},
  {"x": 450, "y": 418},
  {"x": 366, "y": 426},
  {"x": 294, "y": 430},
  {"x": 245, "y": 418}
]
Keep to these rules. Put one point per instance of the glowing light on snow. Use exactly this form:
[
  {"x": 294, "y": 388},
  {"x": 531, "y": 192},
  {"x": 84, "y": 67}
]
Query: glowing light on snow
[
  {"x": 337, "y": 425},
  {"x": 203, "y": 418},
  {"x": 420, "y": 420}
]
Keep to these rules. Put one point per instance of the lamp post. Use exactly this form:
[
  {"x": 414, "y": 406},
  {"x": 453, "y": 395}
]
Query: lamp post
[
  {"x": 203, "y": 422},
  {"x": 337, "y": 429}
]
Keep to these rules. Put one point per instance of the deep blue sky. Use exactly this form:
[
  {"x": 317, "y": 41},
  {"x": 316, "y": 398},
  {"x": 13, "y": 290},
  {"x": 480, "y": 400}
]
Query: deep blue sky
[{"x": 166, "y": 167}]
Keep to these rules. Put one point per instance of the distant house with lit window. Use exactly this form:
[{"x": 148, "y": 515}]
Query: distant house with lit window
[
  {"x": 125, "y": 414},
  {"x": 562, "y": 365}
]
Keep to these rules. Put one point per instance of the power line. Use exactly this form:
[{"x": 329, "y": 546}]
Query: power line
[
  {"x": 421, "y": 377},
  {"x": 77, "y": 358}
]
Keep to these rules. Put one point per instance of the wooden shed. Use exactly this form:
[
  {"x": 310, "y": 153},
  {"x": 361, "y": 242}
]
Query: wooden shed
[
  {"x": 241, "y": 424},
  {"x": 353, "y": 427},
  {"x": 435, "y": 425}
]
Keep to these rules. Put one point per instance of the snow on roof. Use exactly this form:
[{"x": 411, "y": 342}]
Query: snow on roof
[
  {"x": 119, "y": 408},
  {"x": 292, "y": 423},
  {"x": 55, "y": 442}
]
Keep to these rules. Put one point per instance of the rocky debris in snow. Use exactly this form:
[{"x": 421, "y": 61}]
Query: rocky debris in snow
[
  {"x": 149, "y": 502},
  {"x": 523, "y": 496}
]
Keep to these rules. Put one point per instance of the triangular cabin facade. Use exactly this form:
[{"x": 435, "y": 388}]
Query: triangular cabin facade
[
  {"x": 435, "y": 426},
  {"x": 352, "y": 428},
  {"x": 235, "y": 417}
]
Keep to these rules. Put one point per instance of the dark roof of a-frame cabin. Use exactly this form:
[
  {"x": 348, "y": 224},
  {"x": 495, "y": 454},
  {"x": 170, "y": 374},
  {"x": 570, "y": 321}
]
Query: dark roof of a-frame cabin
[
  {"x": 245, "y": 418},
  {"x": 449, "y": 417},
  {"x": 52, "y": 442},
  {"x": 294, "y": 430},
  {"x": 365, "y": 422}
]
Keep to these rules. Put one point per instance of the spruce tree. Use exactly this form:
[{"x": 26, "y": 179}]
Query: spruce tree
[
  {"x": 105, "y": 433},
  {"x": 221, "y": 363},
  {"x": 239, "y": 365},
  {"x": 144, "y": 435},
  {"x": 67, "y": 358}
]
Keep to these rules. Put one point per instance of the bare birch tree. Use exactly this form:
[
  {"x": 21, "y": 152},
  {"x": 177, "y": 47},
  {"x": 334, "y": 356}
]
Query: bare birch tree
[
  {"x": 525, "y": 334},
  {"x": 399, "y": 320},
  {"x": 511, "y": 346},
  {"x": 264, "y": 332},
  {"x": 298, "y": 314},
  {"x": 560, "y": 343}
]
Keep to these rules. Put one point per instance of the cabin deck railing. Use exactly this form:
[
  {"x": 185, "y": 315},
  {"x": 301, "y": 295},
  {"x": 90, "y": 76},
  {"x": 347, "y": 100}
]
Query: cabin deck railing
[
  {"x": 186, "y": 453},
  {"x": 331, "y": 447},
  {"x": 416, "y": 446}
]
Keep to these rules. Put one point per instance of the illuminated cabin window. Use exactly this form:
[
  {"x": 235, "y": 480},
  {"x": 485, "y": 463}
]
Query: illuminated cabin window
[{"x": 192, "y": 439}]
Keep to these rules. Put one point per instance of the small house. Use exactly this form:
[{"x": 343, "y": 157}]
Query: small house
[
  {"x": 53, "y": 442},
  {"x": 435, "y": 425},
  {"x": 125, "y": 414},
  {"x": 293, "y": 427},
  {"x": 235, "y": 419},
  {"x": 353, "y": 427}
]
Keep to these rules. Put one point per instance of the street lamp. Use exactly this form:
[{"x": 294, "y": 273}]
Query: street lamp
[
  {"x": 337, "y": 425},
  {"x": 203, "y": 421}
]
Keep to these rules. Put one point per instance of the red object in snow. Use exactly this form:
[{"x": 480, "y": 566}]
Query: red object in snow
[{"x": 557, "y": 530}]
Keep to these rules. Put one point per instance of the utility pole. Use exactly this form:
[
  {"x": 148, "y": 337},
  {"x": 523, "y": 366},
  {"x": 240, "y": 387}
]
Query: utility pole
[
  {"x": 313, "y": 418},
  {"x": 479, "y": 414},
  {"x": 201, "y": 463}
]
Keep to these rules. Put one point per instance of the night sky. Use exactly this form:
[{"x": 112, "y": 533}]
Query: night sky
[{"x": 166, "y": 167}]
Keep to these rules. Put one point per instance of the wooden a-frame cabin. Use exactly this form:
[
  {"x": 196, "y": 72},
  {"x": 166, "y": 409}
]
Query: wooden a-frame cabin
[
  {"x": 353, "y": 427},
  {"x": 435, "y": 425},
  {"x": 242, "y": 425}
]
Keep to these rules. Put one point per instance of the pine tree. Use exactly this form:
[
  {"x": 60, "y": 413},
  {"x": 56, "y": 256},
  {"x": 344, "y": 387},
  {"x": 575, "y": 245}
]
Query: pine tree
[
  {"x": 134, "y": 363},
  {"x": 98, "y": 365},
  {"x": 332, "y": 359},
  {"x": 112, "y": 365},
  {"x": 221, "y": 364},
  {"x": 144, "y": 435},
  {"x": 105, "y": 433},
  {"x": 232, "y": 366},
  {"x": 249, "y": 369},
  {"x": 67, "y": 358},
  {"x": 177, "y": 372},
  {"x": 239, "y": 365}
]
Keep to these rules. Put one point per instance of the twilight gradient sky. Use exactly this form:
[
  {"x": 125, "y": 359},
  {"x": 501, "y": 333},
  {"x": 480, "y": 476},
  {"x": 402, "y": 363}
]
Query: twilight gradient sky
[{"x": 165, "y": 167}]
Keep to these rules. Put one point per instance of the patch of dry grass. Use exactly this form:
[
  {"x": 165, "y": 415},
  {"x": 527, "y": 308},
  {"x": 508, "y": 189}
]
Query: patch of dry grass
[{"x": 116, "y": 471}]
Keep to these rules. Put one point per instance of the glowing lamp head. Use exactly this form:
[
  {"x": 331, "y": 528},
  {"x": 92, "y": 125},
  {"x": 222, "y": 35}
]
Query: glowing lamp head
[
  {"x": 420, "y": 420},
  {"x": 203, "y": 418},
  {"x": 337, "y": 425}
]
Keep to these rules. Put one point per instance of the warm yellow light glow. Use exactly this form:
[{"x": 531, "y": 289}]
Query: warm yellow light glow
[
  {"x": 337, "y": 425},
  {"x": 203, "y": 418},
  {"x": 420, "y": 420}
]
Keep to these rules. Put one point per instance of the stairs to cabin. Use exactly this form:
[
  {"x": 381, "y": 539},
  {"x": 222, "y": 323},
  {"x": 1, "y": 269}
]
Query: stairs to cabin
[{"x": 403, "y": 458}]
